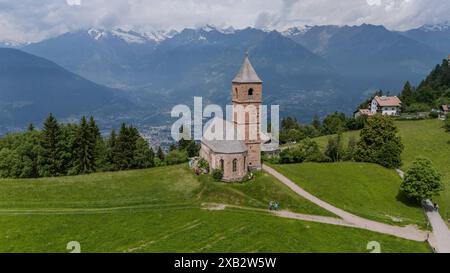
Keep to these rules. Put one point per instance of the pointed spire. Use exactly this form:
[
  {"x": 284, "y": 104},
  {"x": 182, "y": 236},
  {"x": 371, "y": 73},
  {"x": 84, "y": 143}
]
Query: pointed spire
[{"x": 247, "y": 74}]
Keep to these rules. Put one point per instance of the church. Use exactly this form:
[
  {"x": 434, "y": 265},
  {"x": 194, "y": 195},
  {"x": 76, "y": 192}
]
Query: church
[{"x": 238, "y": 155}]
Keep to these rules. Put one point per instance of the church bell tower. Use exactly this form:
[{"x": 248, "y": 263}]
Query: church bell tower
[{"x": 247, "y": 99}]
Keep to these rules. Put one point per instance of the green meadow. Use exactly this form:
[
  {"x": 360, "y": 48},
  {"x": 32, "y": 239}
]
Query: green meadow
[
  {"x": 424, "y": 138},
  {"x": 163, "y": 210}
]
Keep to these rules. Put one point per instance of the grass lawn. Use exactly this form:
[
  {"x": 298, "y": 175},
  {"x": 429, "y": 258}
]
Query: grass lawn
[
  {"x": 367, "y": 190},
  {"x": 166, "y": 186},
  {"x": 428, "y": 139},
  {"x": 186, "y": 230},
  {"x": 159, "y": 210},
  {"x": 424, "y": 138}
]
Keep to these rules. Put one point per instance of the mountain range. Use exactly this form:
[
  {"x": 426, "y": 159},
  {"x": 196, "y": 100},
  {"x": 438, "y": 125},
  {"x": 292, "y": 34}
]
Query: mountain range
[
  {"x": 307, "y": 70},
  {"x": 31, "y": 87}
]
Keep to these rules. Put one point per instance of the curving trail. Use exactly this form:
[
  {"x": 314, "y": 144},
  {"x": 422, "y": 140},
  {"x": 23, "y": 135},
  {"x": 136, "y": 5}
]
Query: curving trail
[{"x": 408, "y": 232}]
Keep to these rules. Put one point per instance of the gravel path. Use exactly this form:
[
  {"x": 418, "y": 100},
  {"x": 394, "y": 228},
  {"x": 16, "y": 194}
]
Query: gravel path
[
  {"x": 440, "y": 239},
  {"x": 441, "y": 234},
  {"x": 408, "y": 232}
]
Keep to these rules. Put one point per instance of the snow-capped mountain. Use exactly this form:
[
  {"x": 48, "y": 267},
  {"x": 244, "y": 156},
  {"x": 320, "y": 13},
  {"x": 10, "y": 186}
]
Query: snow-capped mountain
[
  {"x": 437, "y": 36},
  {"x": 131, "y": 36},
  {"x": 295, "y": 31},
  {"x": 12, "y": 43},
  {"x": 306, "y": 61},
  {"x": 437, "y": 27}
]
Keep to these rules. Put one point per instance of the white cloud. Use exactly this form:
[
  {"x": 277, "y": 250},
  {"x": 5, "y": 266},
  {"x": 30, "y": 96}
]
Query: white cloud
[{"x": 33, "y": 20}]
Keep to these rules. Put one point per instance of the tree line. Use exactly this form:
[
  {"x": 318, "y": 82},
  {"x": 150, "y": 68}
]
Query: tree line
[
  {"x": 72, "y": 149},
  {"x": 292, "y": 131},
  {"x": 432, "y": 92},
  {"x": 378, "y": 143}
]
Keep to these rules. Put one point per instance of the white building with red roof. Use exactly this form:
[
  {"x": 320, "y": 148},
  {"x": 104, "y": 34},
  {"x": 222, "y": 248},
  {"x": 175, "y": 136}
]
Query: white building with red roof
[{"x": 386, "y": 105}]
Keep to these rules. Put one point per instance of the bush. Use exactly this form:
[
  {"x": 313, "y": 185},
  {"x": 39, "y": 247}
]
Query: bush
[
  {"x": 217, "y": 174},
  {"x": 433, "y": 114},
  {"x": 447, "y": 124},
  {"x": 334, "y": 150},
  {"x": 350, "y": 152},
  {"x": 307, "y": 150},
  {"x": 203, "y": 164},
  {"x": 176, "y": 157},
  {"x": 417, "y": 107},
  {"x": 422, "y": 181}
]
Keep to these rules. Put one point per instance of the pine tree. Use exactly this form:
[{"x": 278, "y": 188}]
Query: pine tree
[
  {"x": 160, "y": 154},
  {"x": 142, "y": 155},
  {"x": 316, "y": 122},
  {"x": 407, "y": 95},
  {"x": 152, "y": 157},
  {"x": 99, "y": 150},
  {"x": 110, "y": 149},
  {"x": 30, "y": 127},
  {"x": 125, "y": 146},
  {"x": 84, "y": 148},
  {"x": 52, "y": 146}
]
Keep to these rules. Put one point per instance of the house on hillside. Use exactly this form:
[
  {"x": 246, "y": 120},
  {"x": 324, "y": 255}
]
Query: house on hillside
[{"x": 386, "y": 105}]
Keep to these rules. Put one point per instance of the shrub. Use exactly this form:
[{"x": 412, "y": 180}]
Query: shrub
[
  {"x": 217, "y": 174},
  {"x": 447, "y": 124},
  {"x": 307, "y": 150},
  {"x": 334, "y": 150},
  {"x": 417, "y": 107},
  {"x": 422, "y": 181},
  {"x": 176, "y": 157},
  {"x": 433, "y": 114},
  {"x": 203, "y": 164},
  {"x": 350, "y": 152}
]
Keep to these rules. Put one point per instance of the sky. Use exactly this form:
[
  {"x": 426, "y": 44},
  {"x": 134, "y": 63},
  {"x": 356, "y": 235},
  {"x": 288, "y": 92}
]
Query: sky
[{"x": 34, "y": 20}]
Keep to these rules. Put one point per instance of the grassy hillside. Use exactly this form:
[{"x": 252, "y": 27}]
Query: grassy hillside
[
  {"x": 160, "y": 210},
  {"x": 364, "y": 189},
  {"x": 424, "y": 138},
  {"x": 185, "y": 230},
  {"x": 160, "y": 187}
]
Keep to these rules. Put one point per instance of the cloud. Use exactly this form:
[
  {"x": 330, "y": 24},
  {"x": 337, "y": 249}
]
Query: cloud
[{"x": 32, "y": 20}]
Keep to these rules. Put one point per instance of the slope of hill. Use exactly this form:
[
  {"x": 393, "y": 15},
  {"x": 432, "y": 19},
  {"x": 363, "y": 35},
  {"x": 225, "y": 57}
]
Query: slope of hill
[
  {"x": 367, "y": 190},
  {"x": 156, "y": 211},
  {"x": 424, "y": 138},
  {"x": 31, "y": 87}
]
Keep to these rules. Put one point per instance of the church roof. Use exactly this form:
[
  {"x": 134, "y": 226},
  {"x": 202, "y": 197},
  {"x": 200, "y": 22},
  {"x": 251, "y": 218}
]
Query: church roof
[
  {"x": 222, "y": 129},
  {"x": 247, "y": 74},
  {"x": 226, "y": 146}
]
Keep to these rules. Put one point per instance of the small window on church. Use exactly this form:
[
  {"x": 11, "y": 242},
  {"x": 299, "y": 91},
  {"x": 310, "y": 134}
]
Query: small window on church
[
  {"x": 236, "y": 92},
  {"x": 235, "y": 165},
  {"x": 250, "y": 93},
  {"x": 222, "y": 164}
]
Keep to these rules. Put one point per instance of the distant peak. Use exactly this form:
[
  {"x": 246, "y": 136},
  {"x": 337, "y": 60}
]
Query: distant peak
[
  {"x": 436, "y": 27},
  {"x": 298, "y": 30},
  {"x": 97, "y": 34},
  {"x": 131, "y": 36}
]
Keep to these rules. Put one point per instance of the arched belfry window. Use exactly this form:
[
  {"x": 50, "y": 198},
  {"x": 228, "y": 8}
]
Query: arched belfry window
[
  {"x": 236, "y": 92},
  {"x": 250, "y": 93},
  {"x": 235, "y": 162}
]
